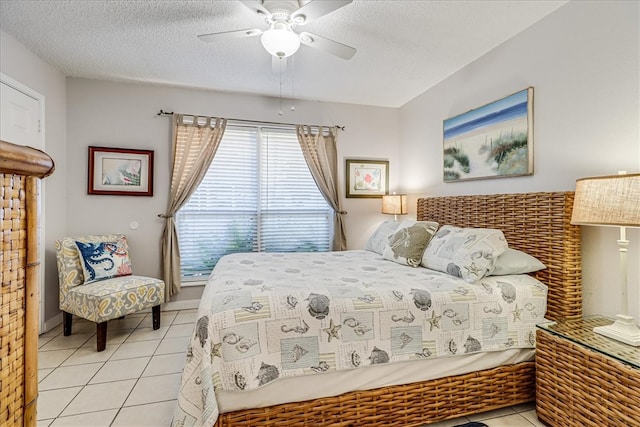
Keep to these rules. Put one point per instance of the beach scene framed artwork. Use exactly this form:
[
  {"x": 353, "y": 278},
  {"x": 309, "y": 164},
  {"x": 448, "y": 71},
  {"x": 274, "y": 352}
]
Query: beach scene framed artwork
[
  {"x": 492, "y": 141},
  {"x": 120, "y": 171}
]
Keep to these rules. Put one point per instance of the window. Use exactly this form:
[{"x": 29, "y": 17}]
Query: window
[{"x": 258, "y": 196}]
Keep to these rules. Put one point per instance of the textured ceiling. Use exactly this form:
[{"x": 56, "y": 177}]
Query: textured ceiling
[{"x": 403, "y": 47}]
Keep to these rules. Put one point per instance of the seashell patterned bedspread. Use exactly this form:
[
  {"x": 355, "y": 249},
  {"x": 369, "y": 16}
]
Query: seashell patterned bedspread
[{"x": 265, "y": 316}]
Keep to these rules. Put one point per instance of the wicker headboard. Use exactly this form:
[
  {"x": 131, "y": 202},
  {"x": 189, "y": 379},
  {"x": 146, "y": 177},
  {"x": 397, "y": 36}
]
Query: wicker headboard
[{"x": 536, "y": 223}]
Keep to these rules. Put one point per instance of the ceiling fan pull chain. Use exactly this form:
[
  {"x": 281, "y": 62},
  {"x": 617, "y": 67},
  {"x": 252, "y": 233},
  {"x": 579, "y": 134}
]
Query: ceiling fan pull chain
[
  {"x": 293, "y": 82},
  {"x": 280, "y": 112}
]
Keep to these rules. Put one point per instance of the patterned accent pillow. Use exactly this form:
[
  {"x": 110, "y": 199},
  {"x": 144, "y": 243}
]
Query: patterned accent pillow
[
  {"x": 513, "y": 261},
  {"x": 380, "y": 238},
  {"x": 468, "y": 253},
  {"x": 103, "y": 260},
  {"x": 409, "y": 241}
]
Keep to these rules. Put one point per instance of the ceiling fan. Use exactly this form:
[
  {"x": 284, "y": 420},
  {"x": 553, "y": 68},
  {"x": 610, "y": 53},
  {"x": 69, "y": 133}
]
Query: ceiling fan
[{"x": 283, "y": 16}]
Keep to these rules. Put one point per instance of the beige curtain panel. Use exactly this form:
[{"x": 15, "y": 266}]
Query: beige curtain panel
[
  {"x": 321, "y": 154},
  {"x": 195, "y": 142}
]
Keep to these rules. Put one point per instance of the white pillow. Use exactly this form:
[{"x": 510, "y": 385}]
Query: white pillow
[
  {"x": 408, "y": 243},
  {"x": 513, "y": 261},
  {"x": 468, "y": 253},
  {"x": 380, "y": 238}
]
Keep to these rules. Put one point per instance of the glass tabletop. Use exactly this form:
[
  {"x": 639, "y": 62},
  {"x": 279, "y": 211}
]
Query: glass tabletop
[{"x": 580, "y": 331}]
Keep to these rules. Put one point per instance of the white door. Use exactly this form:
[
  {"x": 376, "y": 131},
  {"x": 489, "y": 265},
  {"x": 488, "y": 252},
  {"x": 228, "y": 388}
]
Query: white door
[
  {"x": 19, "y": 117},
  {"x": 21, "y": 122}
]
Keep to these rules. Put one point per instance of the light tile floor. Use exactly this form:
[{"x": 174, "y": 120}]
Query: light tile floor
[{"x": 134, "y": 381}]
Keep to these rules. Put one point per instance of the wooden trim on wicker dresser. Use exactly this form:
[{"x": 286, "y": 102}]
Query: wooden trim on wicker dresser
[
  {"x": 21, "y": 160},
  {"x": 20, "y": 170}
]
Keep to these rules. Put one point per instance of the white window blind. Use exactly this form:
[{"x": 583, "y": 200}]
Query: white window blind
[{"x": 258, "y": 196}]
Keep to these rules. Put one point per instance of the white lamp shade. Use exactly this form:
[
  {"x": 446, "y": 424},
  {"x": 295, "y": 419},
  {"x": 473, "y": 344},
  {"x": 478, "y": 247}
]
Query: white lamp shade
[
  {"x": 394, "y": 204},
  {"x": 280, "y": 41},
  {"x": 607, "y": 200}
]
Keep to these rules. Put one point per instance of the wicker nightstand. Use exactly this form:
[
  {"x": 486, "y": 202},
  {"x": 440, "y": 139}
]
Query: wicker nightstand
[{"x": 585, "y": 379}]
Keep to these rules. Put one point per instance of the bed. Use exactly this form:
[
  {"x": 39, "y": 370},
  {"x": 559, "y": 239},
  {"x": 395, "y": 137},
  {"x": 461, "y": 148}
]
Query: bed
[{"x": 327, "y": 394}]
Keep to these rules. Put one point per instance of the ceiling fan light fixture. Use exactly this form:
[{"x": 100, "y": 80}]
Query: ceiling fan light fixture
[
  {"x": 280, "y": 41},
  {"x": 299, "y": 19}
]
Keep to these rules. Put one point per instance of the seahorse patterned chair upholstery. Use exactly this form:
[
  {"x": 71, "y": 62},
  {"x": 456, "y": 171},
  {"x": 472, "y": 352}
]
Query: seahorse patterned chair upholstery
[{"x": 96, "y": 283}]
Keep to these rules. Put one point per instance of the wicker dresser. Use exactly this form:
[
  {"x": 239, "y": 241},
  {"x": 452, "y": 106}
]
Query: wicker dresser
[
  {"x": 20, "y": 171},
  {"x": 586, "y": 379}
]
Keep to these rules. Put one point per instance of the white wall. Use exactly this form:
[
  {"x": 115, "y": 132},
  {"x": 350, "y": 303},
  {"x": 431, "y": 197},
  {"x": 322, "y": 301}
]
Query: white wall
[
  {"x": 124, "y": 115},
  {"x": 23, "y": 66},
  {"x": 583, "y": 62}
]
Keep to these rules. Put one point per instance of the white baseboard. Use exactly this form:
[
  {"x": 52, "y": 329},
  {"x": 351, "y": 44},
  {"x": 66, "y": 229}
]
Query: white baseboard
[
  {"x": 188, "y": 284},
  {"x": 52, "y": 323},
  {"x": 181, "y": 305}
]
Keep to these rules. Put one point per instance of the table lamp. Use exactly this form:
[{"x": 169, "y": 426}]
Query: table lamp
[
  {"x": 612, "y": 201},
  {"x": 394, "y": 204}
]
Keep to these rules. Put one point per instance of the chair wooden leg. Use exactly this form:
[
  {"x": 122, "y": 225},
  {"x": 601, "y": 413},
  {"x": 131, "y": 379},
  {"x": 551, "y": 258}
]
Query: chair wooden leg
[
  {"x": 102, "y": 335},
  {"x": 66, "y": 323},
  {"x": 156, "y": 316}
]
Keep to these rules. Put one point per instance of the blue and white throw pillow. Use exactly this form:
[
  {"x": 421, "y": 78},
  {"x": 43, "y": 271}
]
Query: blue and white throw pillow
[{"x": 104, "y": 260}]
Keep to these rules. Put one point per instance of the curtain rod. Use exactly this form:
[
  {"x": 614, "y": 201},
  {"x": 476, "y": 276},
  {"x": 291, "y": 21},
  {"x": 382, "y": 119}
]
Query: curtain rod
[{"x": 170, "y": 113}]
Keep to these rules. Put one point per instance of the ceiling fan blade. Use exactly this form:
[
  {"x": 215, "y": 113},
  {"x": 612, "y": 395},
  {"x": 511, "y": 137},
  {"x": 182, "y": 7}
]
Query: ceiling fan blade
[
  {"x": 315, "y": 9},
  {"x": 256, "y": 7},
  {"x": 322, "y": 43},
  {"x": 226, "y": 35},
  {"x": 279, "y": 65}
]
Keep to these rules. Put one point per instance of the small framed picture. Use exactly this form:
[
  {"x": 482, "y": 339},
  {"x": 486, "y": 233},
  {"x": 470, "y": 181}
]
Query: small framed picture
[
  {"x": 120, "y": 171},
  {"x": 367, "y": 178}
]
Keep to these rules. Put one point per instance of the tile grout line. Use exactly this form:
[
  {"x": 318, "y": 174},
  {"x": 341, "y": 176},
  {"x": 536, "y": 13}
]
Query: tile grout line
[
  {"x": 119, "y": 345},
  {"x": 141, "y": 373},
  {"x": 84, "y": 386}
]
